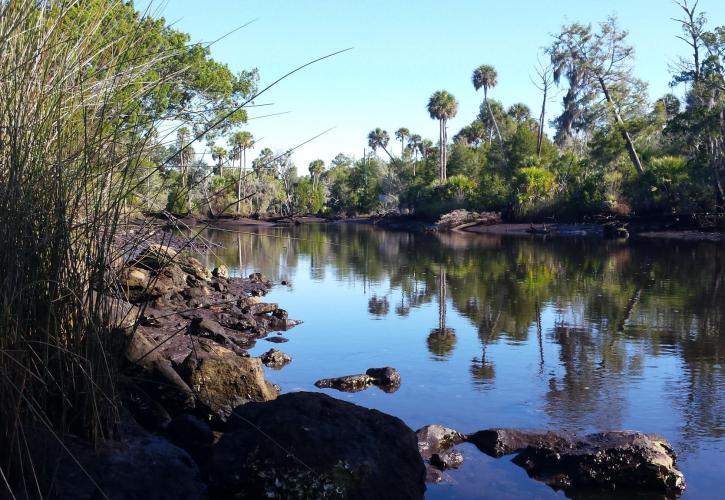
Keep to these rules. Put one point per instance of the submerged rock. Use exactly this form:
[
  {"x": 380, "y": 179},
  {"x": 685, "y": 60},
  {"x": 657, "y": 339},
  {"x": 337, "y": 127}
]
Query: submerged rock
[
  {"x": 616, "y": 460},
  {"x": 387, "y": 379},
  {"x": 314, "y": 446},
  {"x": 347, "y": 383}
]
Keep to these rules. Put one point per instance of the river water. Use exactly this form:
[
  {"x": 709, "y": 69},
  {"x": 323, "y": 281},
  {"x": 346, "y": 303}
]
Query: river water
[{"x": 489, "y": 331}]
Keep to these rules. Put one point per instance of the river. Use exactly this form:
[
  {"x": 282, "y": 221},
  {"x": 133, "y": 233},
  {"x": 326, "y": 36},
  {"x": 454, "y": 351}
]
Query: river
[{"x": 493, "y": 331}]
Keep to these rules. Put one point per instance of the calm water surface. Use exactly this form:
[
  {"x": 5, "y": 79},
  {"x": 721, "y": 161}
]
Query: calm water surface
[{"x": 490, "y": 331}]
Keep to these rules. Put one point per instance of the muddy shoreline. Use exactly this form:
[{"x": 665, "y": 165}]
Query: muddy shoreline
[{"x": 682, "y": 228}]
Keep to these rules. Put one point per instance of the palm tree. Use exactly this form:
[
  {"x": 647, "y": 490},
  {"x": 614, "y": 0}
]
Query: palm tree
[
  {"x": 219, "y": 155},
  {"x": 485, "y": 77},
  {"x": 442, "y": 106},
  {"x": 379, "y": 138},
  {"x": 241, "y": 141},
  {"x": 186, "y": 157},
  {"x": 414, "y": 145},
  {"x": 316, "y": 169},
  {"x": 402, "y": 134}
]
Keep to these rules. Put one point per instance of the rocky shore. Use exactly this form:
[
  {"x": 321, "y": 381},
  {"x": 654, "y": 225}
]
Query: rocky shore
[{"x": 199, "y": 419}]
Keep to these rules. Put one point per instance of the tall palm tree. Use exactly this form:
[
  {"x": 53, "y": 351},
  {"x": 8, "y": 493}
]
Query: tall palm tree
[
  {"x": 442, "y": 106},
  {"x": 402, "y": 134},
  {"x": 219, "y": 155},
  {"x": 317, "y": 167},
  {"x": 379, "y": 138},
  {"x": 414, "y": 145},
  {"x": 186, "y": 158},
  {"x": 241, "y": 141},
  {"x": 485, "y": 77}
]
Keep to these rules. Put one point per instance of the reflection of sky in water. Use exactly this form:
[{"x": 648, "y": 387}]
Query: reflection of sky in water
[{"x": 556, "y": 334}]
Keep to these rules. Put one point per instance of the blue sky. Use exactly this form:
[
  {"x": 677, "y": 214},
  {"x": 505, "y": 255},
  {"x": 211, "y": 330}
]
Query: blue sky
[{"x": 403, "y": 52}]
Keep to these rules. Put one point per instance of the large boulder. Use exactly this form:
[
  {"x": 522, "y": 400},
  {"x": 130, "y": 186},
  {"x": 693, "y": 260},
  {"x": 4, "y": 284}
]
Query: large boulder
[
  {"x": 309, "y": 445},
  {"x": 222, "y": 380}
]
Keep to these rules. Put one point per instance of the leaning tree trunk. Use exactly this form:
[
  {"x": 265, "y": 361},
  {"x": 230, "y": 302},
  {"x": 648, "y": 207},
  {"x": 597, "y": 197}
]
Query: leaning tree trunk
[
  {"x": 623, "y": 130},
  {"x": 495, "y": 126}
]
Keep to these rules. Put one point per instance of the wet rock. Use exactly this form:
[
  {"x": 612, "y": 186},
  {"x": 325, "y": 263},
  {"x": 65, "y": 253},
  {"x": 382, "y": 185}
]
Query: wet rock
[
  {"x": 499, "y": 442},
  {"x": 222, "y": 380},
  {"x": 386, "y": 376},
  {"x": 277, "y": 340},
  {"x": 140, "y": 465},
  {"x": 209, "y": 328},
  {"x": 436, "y": 439},
  {"x": 618, "y": 461},
  {"x": 327, "y": 449},
  {"x": 221, "y": 272},
  {"x": 261, "y": 308},
  {"x": 347, "y": 383},
  {"x": 621, "y": 460},
  {"x": 387, "y": 379},
  {"x": 275, "y": 359},
  {"x": 449, "y": 460}
]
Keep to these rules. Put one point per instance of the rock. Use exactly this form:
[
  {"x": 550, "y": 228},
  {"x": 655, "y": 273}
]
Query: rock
[
  {"x": 208, "y": 328},
  {"x": 222, "y": 380},
  {"x": 193, "y": 435},
  {"x": 221, "y": 272},
  {"x": 134, "y": 277},
  {"x": 449, "y": 460},
  {"x": 193, "y": 267},
  {"x": 261, "y": 308},
  {"x": 323, "y": 448},
  {"x": 246, "y": 302},
  {"x": 277, "y": 340},
  {"x": 140, "y": 465},
  {"x": 387, "y": 379},
  {"x": 436, "y": 439},
  {"x": 347, "y": 383},
  {"x": 621, "y": 460},
  {"x": 275, "y": 359},
  {"x": 386, "y": 376},
  {"x": 499, "y": 442}
]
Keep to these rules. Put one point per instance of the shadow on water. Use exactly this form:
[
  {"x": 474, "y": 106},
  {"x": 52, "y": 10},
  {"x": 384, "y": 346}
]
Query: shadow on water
[{"x": 580, "y": 334}]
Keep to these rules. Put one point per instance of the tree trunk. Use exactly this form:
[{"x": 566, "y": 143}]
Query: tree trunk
[
  {"x": 495, "y": 126},
  {"x": 623, "y": 130},
  {"x": 441, "y": 149},
  {"x": 239, "y": 181},
  {"x": 540, "y": 138}
]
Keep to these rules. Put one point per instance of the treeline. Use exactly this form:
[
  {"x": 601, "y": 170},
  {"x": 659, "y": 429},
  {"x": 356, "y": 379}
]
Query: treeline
[{"x": 613, "y": 151}]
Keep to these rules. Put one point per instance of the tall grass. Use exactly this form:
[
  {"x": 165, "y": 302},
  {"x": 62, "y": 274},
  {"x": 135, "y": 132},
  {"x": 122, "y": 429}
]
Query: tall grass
[{"x": 68, "y": 160}]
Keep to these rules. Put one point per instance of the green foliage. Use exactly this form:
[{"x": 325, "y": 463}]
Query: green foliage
[{"x": 533, "y": 185}]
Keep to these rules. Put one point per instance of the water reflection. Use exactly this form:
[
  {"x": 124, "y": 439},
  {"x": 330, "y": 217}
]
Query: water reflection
[{"x": 590, "y": 318}]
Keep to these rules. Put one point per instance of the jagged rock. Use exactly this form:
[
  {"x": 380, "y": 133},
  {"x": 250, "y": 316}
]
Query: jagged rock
[
  {"x": 436, "y": 439},
  {"x": 386, "y": 376},
  {"x": 275, "y": 359},
  {"x": 326, "y": 449},
  {"x": 387, "y": 379},
  {"x": 449, "y": 460},
  {"x": 347, "y": 383},
  {"x": 621, "y": 460},
  {"x": 618, "y": 461},
  {"x": 261, "y": 308},
  {"x": 222, "y": 380},
  {"x": 193, "y": 267},
  {"x": 499, "y": 442},
  {"x": 277, "y": 340},
  {"x": 221, "y": 272}
]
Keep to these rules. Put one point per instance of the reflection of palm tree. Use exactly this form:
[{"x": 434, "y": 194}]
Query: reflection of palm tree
[
  {"x": 441, "y": 340},
  {"x": 483, "y": 370}
]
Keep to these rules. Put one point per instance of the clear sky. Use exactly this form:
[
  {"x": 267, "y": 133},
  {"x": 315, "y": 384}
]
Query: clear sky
[{"x": 403, "y": 52}]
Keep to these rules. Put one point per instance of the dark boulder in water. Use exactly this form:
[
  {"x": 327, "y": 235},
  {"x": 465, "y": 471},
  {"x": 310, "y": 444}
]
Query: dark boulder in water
[{"x": 309, "y": 445}]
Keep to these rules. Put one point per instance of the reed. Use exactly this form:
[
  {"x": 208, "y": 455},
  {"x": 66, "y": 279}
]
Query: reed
[{"x": 69, "y": 158}]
